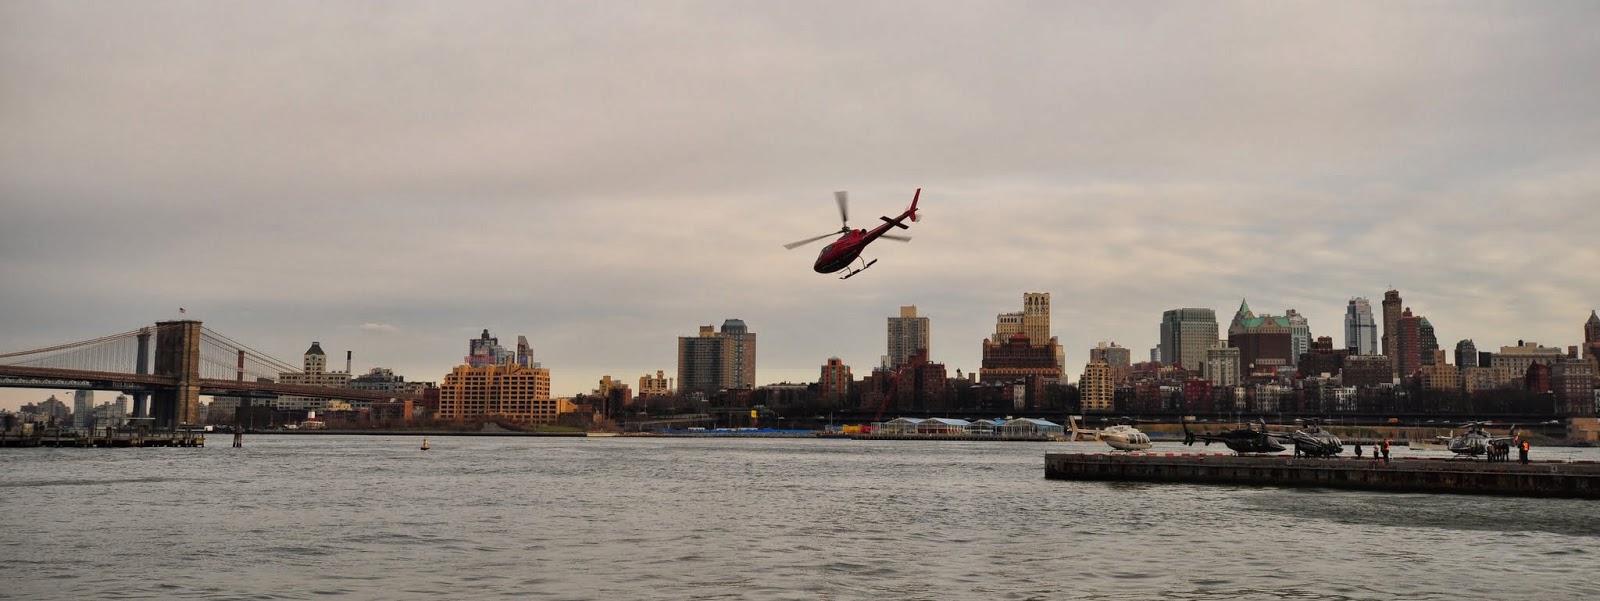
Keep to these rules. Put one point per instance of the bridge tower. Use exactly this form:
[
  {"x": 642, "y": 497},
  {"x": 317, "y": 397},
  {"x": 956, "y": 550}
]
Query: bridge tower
[
  {"x": 177, "y": 356},
  {"x": 141, "y": 399}
]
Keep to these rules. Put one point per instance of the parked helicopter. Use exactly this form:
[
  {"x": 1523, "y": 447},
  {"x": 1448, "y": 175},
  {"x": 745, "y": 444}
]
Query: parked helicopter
[
  {"x": 1122, "y": 437},
  {"x": 1241, "y": 440},
  {"x": 1313, "y": 441},
  {"x": 844, "y": 251},
  {"x": 1478, "y": 441}
]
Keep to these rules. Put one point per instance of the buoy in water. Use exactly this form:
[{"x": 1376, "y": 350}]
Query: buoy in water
[{"x": 424, "y": 444}]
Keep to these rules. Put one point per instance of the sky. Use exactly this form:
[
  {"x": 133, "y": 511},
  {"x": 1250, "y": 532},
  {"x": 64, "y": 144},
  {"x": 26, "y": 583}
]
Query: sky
[{"x": 391, "y": 178}]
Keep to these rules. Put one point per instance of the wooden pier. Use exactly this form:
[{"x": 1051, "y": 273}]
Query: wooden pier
[{"x": 1550, "y": 478}]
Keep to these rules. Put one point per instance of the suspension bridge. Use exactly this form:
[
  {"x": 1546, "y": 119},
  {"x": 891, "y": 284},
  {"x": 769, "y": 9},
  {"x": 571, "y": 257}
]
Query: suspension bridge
[{"x": 188, "y": 361}]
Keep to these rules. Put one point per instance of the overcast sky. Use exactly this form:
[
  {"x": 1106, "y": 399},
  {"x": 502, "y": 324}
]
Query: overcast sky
[{"x": 603, "y": 177}]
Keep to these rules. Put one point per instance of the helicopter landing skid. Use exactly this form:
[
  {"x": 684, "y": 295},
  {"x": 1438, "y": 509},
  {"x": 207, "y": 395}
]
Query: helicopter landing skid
[{"x": 856, "y": 271}]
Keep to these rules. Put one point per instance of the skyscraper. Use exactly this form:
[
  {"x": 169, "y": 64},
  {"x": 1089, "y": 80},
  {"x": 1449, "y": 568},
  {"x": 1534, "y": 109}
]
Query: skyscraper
[
  {"x": 835, "y": 381},
  {"x": 741, "y": 351},
  {"x": 1264, "y": 341},
  {"x": 1032, "y": 321},
  {"x": 1591, "y": 340},
  {"x": 1120, "y": 359},
  {"x": 1095, "y": 388},
  {"x": 1222, "y": 366},
  {"x": 1391, "y": 318},
  {"x": 1407, "y": 344},
  {"x": 1185, "y": 336},
  {"x": 1427, "y": 341},
  {"x": 907, "y": 335},
  {"x": 1360, "y": 331},
  {"x": 717, "y": 360},
  {"x": 83, "y": 409},
  {"x": 1036, "y": 316},
  {"x": 1466, "y": 354},
  {"x": 486, "y": 350},
  {"x": 1299, "y": 335}
]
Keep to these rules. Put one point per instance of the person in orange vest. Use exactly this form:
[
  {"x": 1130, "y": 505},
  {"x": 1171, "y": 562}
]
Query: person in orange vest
[
  {"x": 1522, "y": 452},
  {"x": 1386, "y": 451}
]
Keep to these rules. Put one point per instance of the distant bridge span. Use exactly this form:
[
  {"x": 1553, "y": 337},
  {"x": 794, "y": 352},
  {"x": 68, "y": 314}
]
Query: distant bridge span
[{"x": 189, "y": 361}]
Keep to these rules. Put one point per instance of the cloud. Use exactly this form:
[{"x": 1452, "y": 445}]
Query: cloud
[{"x": 605, "y": 178}]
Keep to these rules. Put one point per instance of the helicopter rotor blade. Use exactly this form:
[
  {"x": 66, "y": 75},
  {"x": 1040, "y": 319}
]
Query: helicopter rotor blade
[
  {"x": 794, "y": 245},
  {"x": 843, "y": 198},
  {"x": 896, "y": 237}
]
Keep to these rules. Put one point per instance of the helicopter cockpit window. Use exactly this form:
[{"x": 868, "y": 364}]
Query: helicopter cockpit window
[{"x": 826, "y": 249}]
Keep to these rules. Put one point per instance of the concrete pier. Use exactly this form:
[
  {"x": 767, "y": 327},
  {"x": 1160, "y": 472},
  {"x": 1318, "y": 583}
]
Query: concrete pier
[{"x": 1538, "y": 479}]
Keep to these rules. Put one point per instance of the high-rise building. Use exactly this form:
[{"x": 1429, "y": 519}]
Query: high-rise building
[
  {"x": 507, "y": 390},
  {"x": 1466, "y": 355},
  {"x": 1407, "y": 344},
  {"x": 1391, "y": 320},
  {"x": 1591, "y": 341},
  {"x": 486, "y": 350},
  {"x": 1032, "y": 321},
  {"x": 1360, "y": 331},
  {"x": 83, "y": 409},
  {"x": 1222, "y": 366},
  {"x": 1096, "y": 390},
  {"x": 1036, "y": 316},
  {"x": 1427, "y": 341},
  {"x": 717, "y": 360},
  {"x": 1020, "y": 360},
  {"x": 908, "y": 334},
  {"x": 741, "y": 350},
  {"x": 315, "y": 374},
  {"x": 1299, "y": 335},
  {"x": 1118, "y": 358},
  {"x": 658, "y": 385},
  {"x": 1573, "y": 382},
  {"x": 1005, "y": 325},
  {"x": 1264, "y": 341},
  {"x": 1439, "y": 375},
  {"x": 835, "y": 381},
  {"x": 1185, "y": 336}
]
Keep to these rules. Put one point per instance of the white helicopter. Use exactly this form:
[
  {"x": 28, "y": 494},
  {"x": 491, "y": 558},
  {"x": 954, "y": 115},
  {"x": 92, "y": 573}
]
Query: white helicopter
[{"x": 1122, "y": 437}]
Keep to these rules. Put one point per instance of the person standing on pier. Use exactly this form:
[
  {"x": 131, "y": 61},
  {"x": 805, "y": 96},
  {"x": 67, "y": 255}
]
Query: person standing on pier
[
  {"x": 1358, "y": 450},
  {"x": 1522, "y": 452},
  {"x": 1386, "y": 451}
]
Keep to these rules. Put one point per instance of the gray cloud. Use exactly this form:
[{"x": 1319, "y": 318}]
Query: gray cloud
[{"x": 605, "y": 177}]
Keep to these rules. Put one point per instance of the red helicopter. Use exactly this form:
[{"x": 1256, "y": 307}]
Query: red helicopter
[{"x": 844, "y": 251}]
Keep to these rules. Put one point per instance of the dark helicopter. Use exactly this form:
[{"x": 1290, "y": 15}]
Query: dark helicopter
[
  {"x": 1241, "y": 440},
  {"x": 1313, "y": 441},
  {"x": 1477, "y": 441}
]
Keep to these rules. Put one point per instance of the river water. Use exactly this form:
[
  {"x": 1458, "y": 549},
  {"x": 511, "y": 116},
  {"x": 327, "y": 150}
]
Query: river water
[{"x": 306, "y": 517}]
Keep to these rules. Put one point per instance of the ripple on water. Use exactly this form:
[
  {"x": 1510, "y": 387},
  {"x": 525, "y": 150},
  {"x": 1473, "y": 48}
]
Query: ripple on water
[{"x": 366, "y": 518}]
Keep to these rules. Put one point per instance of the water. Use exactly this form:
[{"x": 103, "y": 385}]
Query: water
[{"x": 304, "y": 517}]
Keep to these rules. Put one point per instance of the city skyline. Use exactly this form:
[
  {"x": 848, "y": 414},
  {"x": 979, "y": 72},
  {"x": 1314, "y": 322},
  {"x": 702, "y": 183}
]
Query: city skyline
[{"x": 392, "y": 180}]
